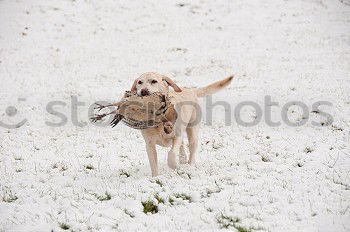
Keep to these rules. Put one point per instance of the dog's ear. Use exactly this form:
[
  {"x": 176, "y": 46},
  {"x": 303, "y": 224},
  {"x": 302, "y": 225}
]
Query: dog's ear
[
  {"x": 172, "y": 84},
  {"x": 133, "y": 87}
]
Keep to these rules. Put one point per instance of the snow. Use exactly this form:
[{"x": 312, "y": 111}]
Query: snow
[{"x": 258, "y": 178}]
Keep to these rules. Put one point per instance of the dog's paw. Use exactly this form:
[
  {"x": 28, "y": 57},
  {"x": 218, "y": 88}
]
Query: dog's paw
[
  {"x": 172, "y": 160},
  {"x": 191, "y": 162},
  {"x": 182, "y": 160}
]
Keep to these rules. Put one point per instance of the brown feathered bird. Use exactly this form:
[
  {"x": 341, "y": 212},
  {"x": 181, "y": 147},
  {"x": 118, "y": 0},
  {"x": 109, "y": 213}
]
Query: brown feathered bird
[{"x": 139, "y": 112}]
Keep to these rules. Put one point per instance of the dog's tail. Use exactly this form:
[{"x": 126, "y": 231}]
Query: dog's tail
[{"x": 213, "y": 88}]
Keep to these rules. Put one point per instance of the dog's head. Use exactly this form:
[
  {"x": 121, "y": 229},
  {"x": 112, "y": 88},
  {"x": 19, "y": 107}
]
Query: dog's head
[{"x": 151, "y": 82}]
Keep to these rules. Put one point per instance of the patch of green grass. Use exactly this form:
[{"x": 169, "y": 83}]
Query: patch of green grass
[
  {"x": 149, "y": 207},
  {"x": 335, "y": 128},
  {"x": 227, "y": 222},
  {"x": 183, "y": 174},
  {"x": 124, "y": 173},
  {"x": 183, "y": 197},
  {"x": 159, "y": 199},
  {"x": 89, "y": 167},
  {"x": 129, "y": 213},
  {"x": 209, "y": 192},
  {"x": 265, "y": 159},
  {"x": 308, "y": 150},
  {"x": 64, "y": 226},
  {"x": 171, "y": 201},
  {"x": 179, "y": 196},
  {"x": 158, "y": 182},
  {"x": 105, "y": 197},
  {"x": 8, "y": 196},
  {"x": 63, "y": 168}
]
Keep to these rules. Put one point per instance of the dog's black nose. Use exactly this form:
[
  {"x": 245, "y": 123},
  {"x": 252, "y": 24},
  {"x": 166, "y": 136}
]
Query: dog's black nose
[{"x": 144, "y": 92}]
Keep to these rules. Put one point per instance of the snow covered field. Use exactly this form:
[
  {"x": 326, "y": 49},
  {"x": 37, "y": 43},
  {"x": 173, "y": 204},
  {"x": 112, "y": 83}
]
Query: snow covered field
[{"x": 260, "y": 178}]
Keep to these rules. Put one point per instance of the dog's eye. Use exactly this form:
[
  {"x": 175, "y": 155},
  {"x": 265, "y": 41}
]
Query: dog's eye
[
  {"x": 139, "y": 82},
  {"x": 154, "y": 81}
]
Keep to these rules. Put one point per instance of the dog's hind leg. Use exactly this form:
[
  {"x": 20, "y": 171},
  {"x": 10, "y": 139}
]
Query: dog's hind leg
[
  {"x": 183, "y": 117},
  {"x": 192, "y": 134},
  {"x": 175, "y": 149},
  {"x": 182, "y": 157}
]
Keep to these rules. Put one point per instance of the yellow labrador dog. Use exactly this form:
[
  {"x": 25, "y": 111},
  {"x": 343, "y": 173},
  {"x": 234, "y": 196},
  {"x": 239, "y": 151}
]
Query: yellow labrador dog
[{"x": 185, "y": 103}]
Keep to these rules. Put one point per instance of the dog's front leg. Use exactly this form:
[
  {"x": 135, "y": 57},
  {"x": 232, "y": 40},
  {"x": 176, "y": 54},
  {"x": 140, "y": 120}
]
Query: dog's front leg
[{"x": 152, "y": 157}]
